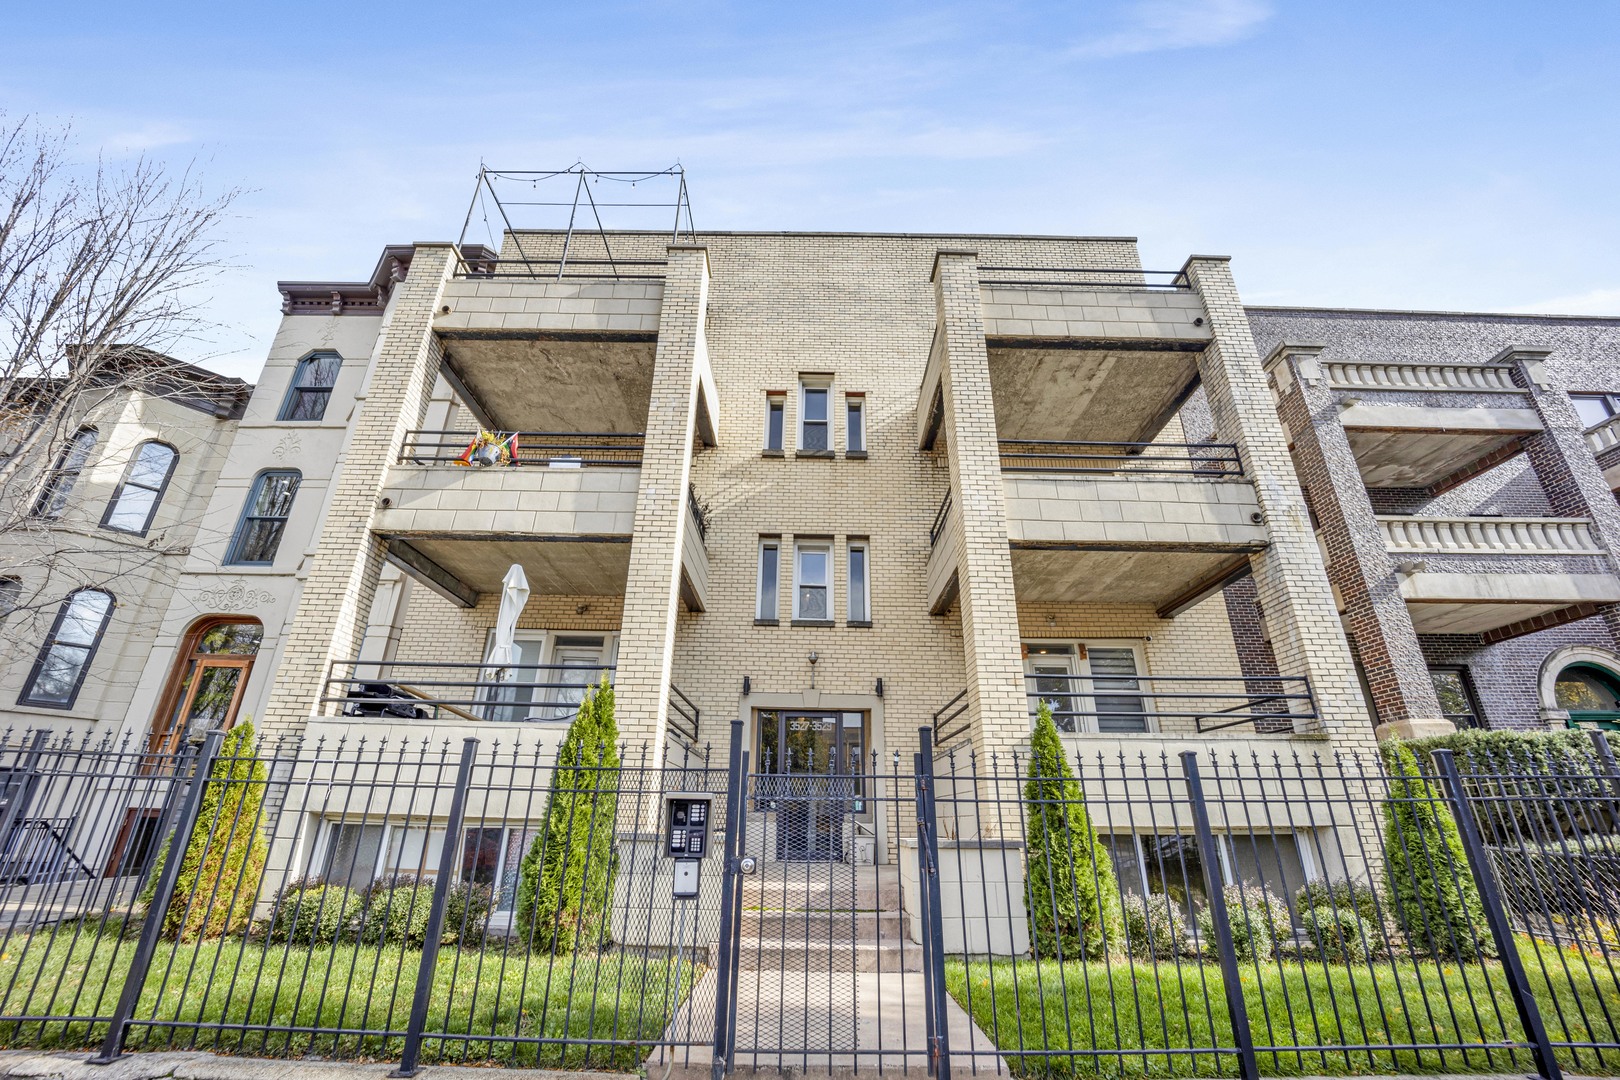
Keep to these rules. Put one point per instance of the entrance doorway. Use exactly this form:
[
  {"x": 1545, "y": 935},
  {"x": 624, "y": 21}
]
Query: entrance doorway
[
  {"x": 1088, "y": 687},
  {"x": 813, "y": 777},
  {"x": 205, "y": 690}
]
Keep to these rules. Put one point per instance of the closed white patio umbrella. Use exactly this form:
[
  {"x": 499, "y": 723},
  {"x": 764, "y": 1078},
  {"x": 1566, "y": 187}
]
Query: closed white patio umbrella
[{"x": 514, "y": 595}]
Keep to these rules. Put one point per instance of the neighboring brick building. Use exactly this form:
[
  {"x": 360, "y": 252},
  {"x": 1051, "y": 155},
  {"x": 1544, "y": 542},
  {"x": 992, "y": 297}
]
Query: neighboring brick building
[
  {"x": 841, "y": 487},
  {"x": 1455, "y": 465}
]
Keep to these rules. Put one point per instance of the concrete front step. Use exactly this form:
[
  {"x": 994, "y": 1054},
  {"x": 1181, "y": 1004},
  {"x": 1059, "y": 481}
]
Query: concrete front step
[
  {"x": 864, "y": 895},
  {"x": 774, "y": 954},
  {"x": 822, "y": 925}
]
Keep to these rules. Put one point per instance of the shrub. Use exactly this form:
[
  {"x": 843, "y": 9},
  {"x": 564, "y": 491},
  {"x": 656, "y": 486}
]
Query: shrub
[
  {"x": 1259, "y": 922},
  {"x": 313, "y": 913},
  {"x": 220, "y": 871},
  {"x": 466, "y": 913},
  {"x": 1155, "y": 925},
  {"x": 1426, "y": 875},
  {"x": 565, "y": 881},
  {"x": 1363, "y": 898},
  {"x": 1072, "y": 894},
  {"x": 396, "y": 912},
  {"x": 1339, "y": 934}
]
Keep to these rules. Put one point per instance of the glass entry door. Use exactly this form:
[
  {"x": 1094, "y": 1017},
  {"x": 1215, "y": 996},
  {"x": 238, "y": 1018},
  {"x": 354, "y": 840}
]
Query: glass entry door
[{"x": 812, "y": 778}]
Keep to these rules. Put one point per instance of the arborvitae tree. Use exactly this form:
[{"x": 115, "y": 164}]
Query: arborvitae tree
[
  {"x": 565, "y": 882},
  {"x": 1426, "y": 869},
  {"x": 220, "y": 872},
  {"x": 1070, "y": 889}
]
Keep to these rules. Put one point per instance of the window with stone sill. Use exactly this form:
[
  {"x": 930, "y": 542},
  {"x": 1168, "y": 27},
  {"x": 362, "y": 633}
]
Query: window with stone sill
[
  {"x": 814, "y": 425},
  {"x": 812, "y": 582}
]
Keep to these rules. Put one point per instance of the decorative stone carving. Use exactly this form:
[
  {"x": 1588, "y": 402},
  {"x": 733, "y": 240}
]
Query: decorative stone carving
[
  {"x": 290, "y": 445},
  {"x": 235, "y": 596}
]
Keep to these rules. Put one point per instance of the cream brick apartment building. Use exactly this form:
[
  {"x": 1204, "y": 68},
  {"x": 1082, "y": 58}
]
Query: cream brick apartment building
[{"x": 841, "y": 487}]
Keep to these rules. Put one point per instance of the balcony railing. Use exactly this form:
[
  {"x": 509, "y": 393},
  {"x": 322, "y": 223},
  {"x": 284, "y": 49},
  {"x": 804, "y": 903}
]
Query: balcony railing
[
  {"x": 1466, "y": 378},
  {"x": 1081, "y": 277},
  {"x": 428, "y": 690},
  {"x": 1604, "y": 435},
  {"x": 558, "y": 449},
  {"x": 700, "y": 516},
  {"x": 535, "y": 268},
  {"x": 1174, "y": 459},
  {"x": 951, "y": 722},
  {"x": 1488, "y": 536},
  {"x": 1126, "y": 704},
  {"x": 941, "y": 516},
  {"x": 683, "y": 716}
]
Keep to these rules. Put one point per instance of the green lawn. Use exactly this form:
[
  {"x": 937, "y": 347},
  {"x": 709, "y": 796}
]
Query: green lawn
[
  {"x": 1309, "y": 1004},
  {"x": 614, "y": 998}
]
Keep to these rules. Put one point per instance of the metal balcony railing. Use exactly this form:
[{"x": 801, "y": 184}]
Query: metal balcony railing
[
  {"x": 560, "y": 449},
  {"x": 700, "y": 516},
  {"x": 941, "y": 516},
  {"x": 439, "y": 690},
  {"x": 951, "y": 722},
  {"x": 683, "y": 716},
  {"x": 1081, "y": 277},
  {"x": 1124, "y": 704},
  {"x": 1488, "y": 536},
  {"x": 1173, "y": 459}
]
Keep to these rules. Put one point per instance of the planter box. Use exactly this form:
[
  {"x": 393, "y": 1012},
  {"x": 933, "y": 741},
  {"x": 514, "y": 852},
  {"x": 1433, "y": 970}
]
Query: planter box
[{"x": 981, "y": 886}]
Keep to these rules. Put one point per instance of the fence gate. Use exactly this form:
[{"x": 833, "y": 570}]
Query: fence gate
[{"x": 825, "y": 971}]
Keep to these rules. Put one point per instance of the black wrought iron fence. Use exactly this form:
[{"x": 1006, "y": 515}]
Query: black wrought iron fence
[{"x": 1048, "y": 912}]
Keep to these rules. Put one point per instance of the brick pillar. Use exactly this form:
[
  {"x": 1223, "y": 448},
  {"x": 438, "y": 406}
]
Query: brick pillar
[
  {"x": 1564, "y": 464},
  {"x": 1358, "y": 562},
  {"x": 989, "y": 607},
  {"x": 1289, "y": 577},
  {"x": 652, "y": 590},
  {"x": 337, "y": 594}
]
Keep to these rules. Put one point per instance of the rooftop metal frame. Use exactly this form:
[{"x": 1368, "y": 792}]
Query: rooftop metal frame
[{"x": 518, "y": 192}]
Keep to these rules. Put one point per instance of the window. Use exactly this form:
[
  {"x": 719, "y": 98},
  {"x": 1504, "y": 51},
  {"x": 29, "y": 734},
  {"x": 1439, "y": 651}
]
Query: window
[
  {"x": 1172, "y": 865},
  {"x": 1456, "y": 696},
  {"x": 775, "y": 404},
  {"x": 135, "y": 502},
  {"x": 1088, "y": 688},
  {"x": 492, "y": 855},
  {"x": 860, "y": 608},
  {"x": 1595, "y": 409},
  {"x": 64, "y": 660},
  {"x": 765, "y": 610},
  {"x": 1588, "y": 692},
  {"x": 811, "y": 580},
  {"x": 813, "y": 435},
  {"x": 263, "y": 519},
  {"x": 354, "y": 854},
  {"x": 69, "y": 464},
  {"x": 855, "y": 425},
  {"x": 311, "y": 387},
  {"x": 10, "y": 595}
]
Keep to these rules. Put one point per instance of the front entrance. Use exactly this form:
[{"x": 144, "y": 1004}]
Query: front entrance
[{"x": 812, "y": 769}]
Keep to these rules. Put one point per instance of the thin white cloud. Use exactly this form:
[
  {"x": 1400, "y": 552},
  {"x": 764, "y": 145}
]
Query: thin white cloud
[
  {"x": 149, "y": 136},
  {"x": 1155, "y": 25},
  {"x": 1591, "y": 302}
]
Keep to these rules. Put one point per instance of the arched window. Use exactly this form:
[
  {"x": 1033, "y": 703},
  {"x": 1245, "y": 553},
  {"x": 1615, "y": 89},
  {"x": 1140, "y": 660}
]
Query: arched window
[
  {"x": 65, "y": 473},
  {"x": 64, "y": 659},
  {"x": 135, "y": 502},
  {"x": 264, "y": 518},
  {"x": 1590, "y": 693},
  {"x": 205, "y": 688},
  {"x": 311, "y": 387}
]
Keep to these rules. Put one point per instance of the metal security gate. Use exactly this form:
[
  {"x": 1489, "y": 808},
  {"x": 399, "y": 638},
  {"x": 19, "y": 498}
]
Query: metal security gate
[{"x": 822, "y": 966}]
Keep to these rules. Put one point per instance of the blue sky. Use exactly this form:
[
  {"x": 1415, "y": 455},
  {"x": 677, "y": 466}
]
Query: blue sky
[{"x": 1414, "y": 155}]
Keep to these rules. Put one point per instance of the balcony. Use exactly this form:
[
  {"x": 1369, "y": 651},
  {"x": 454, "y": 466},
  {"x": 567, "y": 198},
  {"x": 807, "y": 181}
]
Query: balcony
[
  {"x": 1490, "y": 575},
  {"x": 1162, "y": 524},
  {"x": 1076, "y": 353},
  {"x": 1413, "y": 425},
  {"x": 1172, "y": 704},
  {"x": 1604, "y": 440},
  {"x": 458, "y": 692}
]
